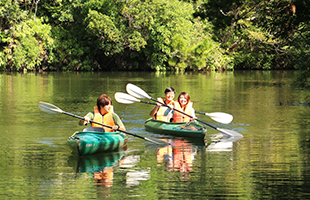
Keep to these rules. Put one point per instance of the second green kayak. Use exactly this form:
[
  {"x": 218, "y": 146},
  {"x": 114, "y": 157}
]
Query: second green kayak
[{"x": 183, "y": 129}]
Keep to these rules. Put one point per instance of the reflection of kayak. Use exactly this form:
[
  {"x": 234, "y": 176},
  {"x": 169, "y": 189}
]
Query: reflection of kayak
[
  {"x": 92, "y": 141},
  {"x": 100, "y": 165},
  {"x": 183, "y": 129},
  {"x": 95, "y": 163}
]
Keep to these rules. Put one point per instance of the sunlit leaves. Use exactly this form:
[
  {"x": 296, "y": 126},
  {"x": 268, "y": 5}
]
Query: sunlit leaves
[
  {"x": 103, "y": 28},
  {"x": 27, "y": 44}
]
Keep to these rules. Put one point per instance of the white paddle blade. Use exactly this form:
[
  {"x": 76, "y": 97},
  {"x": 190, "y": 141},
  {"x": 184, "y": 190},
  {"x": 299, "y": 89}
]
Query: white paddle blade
[
  {"x": 125, "y": 98},
  {"x": 136, "y": 91},
  {"x": 230, "y": 133},
  {"x": 223, "y": 118},
  {"x": 49, "y": 108}
]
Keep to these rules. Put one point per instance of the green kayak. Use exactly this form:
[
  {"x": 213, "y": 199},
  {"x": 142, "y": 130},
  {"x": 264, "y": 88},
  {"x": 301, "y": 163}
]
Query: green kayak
[
  {"x": 184, "y": 129},
  {"x": 94, "y": 140}
]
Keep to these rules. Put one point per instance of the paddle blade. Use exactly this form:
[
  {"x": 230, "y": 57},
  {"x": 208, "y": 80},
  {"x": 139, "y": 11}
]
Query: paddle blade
[
  {"x": 223, "y": 118},
  {"x": 125, "y": 98},
  {"x": 230, "y": 133},
  {"x": 49, "y": 108},
  {"x": 136, "y": 91}
]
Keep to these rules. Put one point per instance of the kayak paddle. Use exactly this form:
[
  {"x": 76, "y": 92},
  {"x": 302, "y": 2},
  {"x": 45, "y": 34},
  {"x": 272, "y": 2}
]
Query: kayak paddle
[
  {"x": 50, "y": 108},
  {"x": 223, "y": 118},
  {"x": 139, "y": 93}
]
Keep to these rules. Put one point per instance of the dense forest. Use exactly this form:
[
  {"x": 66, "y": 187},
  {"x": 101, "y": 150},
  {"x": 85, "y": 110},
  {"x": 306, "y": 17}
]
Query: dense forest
[{"x": 154, "y": 34}]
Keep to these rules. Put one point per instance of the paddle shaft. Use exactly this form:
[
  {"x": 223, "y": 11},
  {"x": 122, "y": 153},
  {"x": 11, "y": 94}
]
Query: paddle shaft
[
  {"x": 73, "y": 115},
  {"x": 147, "y": 102},
  {"x": 200, "y": 112}
]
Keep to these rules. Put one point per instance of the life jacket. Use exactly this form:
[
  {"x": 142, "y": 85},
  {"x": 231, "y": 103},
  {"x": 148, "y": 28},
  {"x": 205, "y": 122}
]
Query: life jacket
[
  {"x": 107, "y": 119},
  {"x": 179, "y": 117},
  {"x": 160, "y": 115}
]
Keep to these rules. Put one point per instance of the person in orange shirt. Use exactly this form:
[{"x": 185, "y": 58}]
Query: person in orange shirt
[
  {"x": 103, "y": 113},
  {"x": 185, "y": 105},
  {"x": 161, "y": 112}
]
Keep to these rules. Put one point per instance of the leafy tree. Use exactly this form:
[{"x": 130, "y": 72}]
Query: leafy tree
[
  {"x": 132, "y": 34},
  {"x": 259, "y": 34},
  {"x": 154, "y": 34},
  {"x": 25, "y": 41}
]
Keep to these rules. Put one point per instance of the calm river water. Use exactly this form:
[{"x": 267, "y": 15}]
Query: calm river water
[{"x": 271, "y": 161}]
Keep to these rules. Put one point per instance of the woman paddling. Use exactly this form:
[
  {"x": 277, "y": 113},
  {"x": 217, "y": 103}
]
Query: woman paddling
[
  {"x": 185, "y": 105},
  {"x": 164, "y": 113},
  {"x": 103, "y": 113}
]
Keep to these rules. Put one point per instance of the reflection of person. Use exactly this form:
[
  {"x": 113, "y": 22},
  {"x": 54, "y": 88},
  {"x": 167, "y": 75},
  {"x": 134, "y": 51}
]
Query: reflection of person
[
  {"x": 177, "y": 157},
  {"x": 164, "y": 113},
  {"x": 185, "y": 105},
  {"x": 105, "y": 177},
  {"x": 182, "y": 156},
  {"x": 103, "y": 113}
]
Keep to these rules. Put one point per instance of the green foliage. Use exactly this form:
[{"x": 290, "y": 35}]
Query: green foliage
[
  {"x": 258, "y": 34},
  {"x": 198, "y": 53},
  {"x": 67, "y": 48},
  {"x": 26, "y": 45},
  {"x": 154, "y": 35},
  {"x": 91, "y": 35},
  {"x": 107, "y": 34},
  {"x": 172, "y": 34},
  {"x": 29, "y": 46},
  {"x": 301, "y": 49},
  {"x": 25, "y": 41}
]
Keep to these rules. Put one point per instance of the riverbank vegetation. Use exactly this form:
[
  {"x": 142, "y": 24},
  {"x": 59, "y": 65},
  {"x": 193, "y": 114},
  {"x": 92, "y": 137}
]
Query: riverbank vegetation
[{"x": 154, "y": 35}]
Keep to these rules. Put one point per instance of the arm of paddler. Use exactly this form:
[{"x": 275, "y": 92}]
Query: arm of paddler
[
  {"x": 118, "y": 123},
  {"x": 118, "y": 127},
  {"x": 86, "y": 119},
  {"x": 193, "y": 115},
  {"x": 155, "y": 110}
]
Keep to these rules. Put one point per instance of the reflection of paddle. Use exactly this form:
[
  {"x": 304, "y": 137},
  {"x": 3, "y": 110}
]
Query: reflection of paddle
[
  {"x": 223, "y": 118},
  {"x": 139, "y": 93},
  {"x": 49, "y": 108}
]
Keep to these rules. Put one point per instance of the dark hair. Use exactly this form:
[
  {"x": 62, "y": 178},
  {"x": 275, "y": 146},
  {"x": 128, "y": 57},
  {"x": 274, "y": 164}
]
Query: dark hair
[
  {"x": 169, "y": 89},
  {"x": 186, "y": 95},
  {"x": 103, "y": 100}
]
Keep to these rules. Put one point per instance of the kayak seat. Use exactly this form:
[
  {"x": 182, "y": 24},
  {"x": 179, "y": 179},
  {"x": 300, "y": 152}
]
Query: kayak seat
[{"x": 97, "y": 129}]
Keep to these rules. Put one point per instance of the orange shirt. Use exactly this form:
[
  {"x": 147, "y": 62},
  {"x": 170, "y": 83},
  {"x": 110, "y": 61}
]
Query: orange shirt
[{"x": 179, "y": 117}]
